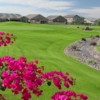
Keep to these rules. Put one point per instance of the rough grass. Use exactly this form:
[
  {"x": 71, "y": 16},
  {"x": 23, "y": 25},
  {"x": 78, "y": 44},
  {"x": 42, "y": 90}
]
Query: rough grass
[
  {"x": 98, "y": 47},
  {"x": 46, "y": 43}
]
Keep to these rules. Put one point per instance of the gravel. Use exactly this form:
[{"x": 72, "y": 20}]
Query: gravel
[{"x": 85, "y": 52}]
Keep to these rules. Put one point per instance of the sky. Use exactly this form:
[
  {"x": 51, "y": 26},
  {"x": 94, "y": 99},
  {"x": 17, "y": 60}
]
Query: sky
[{"x": 85, "y": 8}]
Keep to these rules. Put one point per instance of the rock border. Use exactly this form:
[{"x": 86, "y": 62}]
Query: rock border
[{"x": 85, "y": 51}]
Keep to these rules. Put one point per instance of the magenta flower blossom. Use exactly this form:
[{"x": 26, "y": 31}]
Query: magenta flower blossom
[
  {"x": 26, "y": 77},
  {"x": 68, "y": 95},
  {"x": 5, "y": 74},
  {"x": 25, "y": 94},
  {"x": 6, "y": 38}
]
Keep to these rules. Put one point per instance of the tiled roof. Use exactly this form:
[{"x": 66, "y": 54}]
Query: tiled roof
[
  {"x": 52, "y": 17},
  {"x": 70, "y": 16},
  {"x": 6, "y": 16},
  {"x": 30, "y": 16},
  {"x": 92, "y": 19}
]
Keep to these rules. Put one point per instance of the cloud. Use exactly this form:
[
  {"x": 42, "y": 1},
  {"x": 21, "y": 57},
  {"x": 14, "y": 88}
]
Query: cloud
[
  {"x": 47, "y": 4},
  {"x": 14, "y": 9},
  {"x": 44, "y": 7},
  {"x": 56, "y": 5},
  {"x": 91, "y": 12},
  {"x": 26, "y": 11}
]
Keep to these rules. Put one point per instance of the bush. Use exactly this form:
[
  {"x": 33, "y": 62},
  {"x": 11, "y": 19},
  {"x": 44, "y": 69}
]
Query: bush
[
  {"x": 90, "y": 61},
  {"x": 97, "y": 36},
  {"x": 78, "y": 22},
  {"x": 93, "y": 43},
  {"x": 92, "y": 37},
  {"x": 83, "y": 39},
  {"x": 86, "y": 28},
  {"x": 78, "y": 27},
  {"x": 74, "y": 47}
]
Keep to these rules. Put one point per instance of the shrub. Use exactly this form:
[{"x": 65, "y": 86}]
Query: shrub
[
  {"x": 92, "y": 37},
  {"x": 86, "y": 28},
  {"x": 90, "y": 61},
  {"x": 97, "y": 36},
  {"x": 78, "y": 27},
  {"x": 74, "y": 47},
  {"x": 93, "y": 43},
  {"x": 83, "y": 39}
]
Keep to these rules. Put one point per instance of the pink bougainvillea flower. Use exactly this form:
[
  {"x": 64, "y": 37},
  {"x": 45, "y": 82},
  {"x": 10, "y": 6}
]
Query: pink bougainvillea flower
[{"x": 26, "y": 78}]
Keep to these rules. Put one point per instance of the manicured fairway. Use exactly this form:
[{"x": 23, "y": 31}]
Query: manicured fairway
[{"x": 46, "y": 43}]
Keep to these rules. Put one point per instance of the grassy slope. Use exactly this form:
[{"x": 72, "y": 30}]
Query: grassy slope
[{"x": 46, "y": 43}]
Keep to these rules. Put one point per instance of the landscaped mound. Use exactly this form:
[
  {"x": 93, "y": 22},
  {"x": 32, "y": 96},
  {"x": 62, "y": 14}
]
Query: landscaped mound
[{"x": 85, "y": 51}]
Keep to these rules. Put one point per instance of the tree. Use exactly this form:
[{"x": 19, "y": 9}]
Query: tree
[
  {"x": 78, "y": 22},
  {"x": 98, "y": 22}
]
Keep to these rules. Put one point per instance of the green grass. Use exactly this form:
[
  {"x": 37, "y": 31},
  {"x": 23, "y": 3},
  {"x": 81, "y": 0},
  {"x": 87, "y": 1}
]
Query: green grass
[
  {"x": 98, "y": 48},
  {"x": 46, "y": 43}
]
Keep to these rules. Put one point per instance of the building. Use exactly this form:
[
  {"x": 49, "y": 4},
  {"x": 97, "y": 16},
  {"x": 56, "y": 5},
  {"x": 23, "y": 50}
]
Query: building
[
  {"x": 37, "y": 18},
  {"x": 71, "y": 18},
  {"x": 24, "y": 19},
  {"x": 90, "y": 21},
  {"x": 14, "y": 17},
  {"x": 9, "y": 17},
  {"x": 56, "y": 19}
]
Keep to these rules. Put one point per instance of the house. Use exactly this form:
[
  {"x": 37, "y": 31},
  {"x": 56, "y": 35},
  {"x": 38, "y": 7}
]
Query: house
[
  {"x": 3, "y": 17},
  {"x": 91, "y": 21},
  {"x": 9, "y": 17},
  {"x": 13, "y": 17},
  {"x": 56, "y": 19},
  {"x": 37, "y": 18},
  {"x": 24, "y": 19},
  {"x": 71, "y": 18}
]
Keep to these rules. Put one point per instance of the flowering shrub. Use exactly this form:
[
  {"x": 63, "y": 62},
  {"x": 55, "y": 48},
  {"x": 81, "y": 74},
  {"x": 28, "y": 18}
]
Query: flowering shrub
[
  {"x": 68, "y": 95},
  {"x": 21, "y": 76},
  {"x": 6, "y": 38},
  {"x": 2, "y": 97}
]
